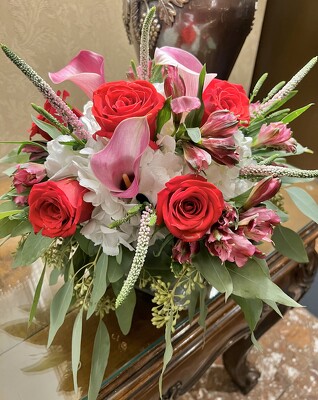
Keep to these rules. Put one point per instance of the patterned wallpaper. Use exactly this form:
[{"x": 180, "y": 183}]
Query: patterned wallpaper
[{"x": 47, "y": 34}]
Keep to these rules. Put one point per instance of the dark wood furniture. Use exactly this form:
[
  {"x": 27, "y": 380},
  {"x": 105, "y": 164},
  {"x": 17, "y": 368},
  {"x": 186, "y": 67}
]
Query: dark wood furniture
[{"x": 136, "y": 359}]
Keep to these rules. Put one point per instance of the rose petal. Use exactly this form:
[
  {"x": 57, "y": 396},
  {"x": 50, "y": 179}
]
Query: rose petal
[{"x": 86, "y": 70}]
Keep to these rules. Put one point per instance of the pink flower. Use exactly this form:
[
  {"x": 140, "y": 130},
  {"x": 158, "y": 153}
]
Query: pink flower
[
  {"x": 86, "y": 70},
  {"x": 197, "y": 159},
  {"x": 36, "y": 152},
  {"x": 189, "y": 67},
  {"x": 257, "y": 223},
  {"x": 220, "y": 124},
  {"x": 223, "y": 150},
  {"x": 276, "y": 134},
  {"x": 262, "y": 191},
  {"x": 184, "y": 251},
  {"x": 26, "y": 176},
  {"x": 117, "y": 165}
]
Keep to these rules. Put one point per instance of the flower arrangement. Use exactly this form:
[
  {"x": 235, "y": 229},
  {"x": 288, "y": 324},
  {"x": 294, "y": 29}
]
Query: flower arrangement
[{"x": 169, "y": 179}]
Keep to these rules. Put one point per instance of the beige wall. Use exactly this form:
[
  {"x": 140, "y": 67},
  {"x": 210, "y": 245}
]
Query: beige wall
[{"x": 47, "y": 34}]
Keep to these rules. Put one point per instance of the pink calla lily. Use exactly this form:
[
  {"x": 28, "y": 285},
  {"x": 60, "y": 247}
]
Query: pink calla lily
[
  {"x": 86, "y": 70},
  {"x": 189, "y": 67},
  {"x": 117, "y": 165}
]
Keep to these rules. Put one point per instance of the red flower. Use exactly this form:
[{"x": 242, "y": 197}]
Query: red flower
[
  {"x": 57, "y": 207},
  {"x": 189, "y": 206},
  {"x": 223, "y": 95},
  {"x": 117, "y": 101},
  {"x": 47, "y": 106}
]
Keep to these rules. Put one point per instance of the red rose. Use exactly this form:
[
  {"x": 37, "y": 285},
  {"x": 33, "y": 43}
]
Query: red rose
[
  {"x": 189, "y": 206},
  {"x": 223, "y": 95},
  {"x": 57, "y": 207},
  {"x": 47, "y": 106},
  {"x": 115, "y": 101}
]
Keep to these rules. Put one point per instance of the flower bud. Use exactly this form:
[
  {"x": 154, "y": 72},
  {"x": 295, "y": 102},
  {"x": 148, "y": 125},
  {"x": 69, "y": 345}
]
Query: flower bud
[
  {"x": 262, "y": 191},
  {"x": 276, "y": 134},
  {"x": 174, "y": 84},
  {"x": 184, "y": 251},
  {"x": 223, "y": 151},
  {"x": 27, "y": 175}
]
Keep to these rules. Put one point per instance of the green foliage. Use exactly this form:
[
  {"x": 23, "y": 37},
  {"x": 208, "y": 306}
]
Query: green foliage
[
  {"x": 258, "y": 86},
  {"x": 59, "y": 307},
  {"x": 99, "y": 360},
  {"x": 289, "y": 244},
  {"x": 168, "y": 350},
  {"x": 86, "y": 245},
  {"x": 32, "y": 248},
  {"x": 164, "y": 114},
  {"x": 36, "y": 296},
  {"x": 15, "y": 158},
  {"x": 125, "y": 312},
  {"x": 99, "y": 283},
  {"x": 194, "y": 117},
  {"x": 46, "y": 127},
  {"x": 213, "y": 271},
  {"x": 76, "y": 346},
  {"x": 194, "y": 134},
  {"x": 14, "y": 227},
  {"x": 295, "y": 114},
  {"x": 8, "y": 208},
  {"x": 306, "y": 204}
]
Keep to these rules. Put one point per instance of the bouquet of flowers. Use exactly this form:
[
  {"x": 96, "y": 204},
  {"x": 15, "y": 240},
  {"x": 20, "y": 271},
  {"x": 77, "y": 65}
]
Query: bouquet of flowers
[{"x": 168, "y": 180}]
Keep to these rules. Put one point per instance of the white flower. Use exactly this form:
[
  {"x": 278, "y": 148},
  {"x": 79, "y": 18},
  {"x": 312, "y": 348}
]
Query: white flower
[{"x": 88, "y": 119}]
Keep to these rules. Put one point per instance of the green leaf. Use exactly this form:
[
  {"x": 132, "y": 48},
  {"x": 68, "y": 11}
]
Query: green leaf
[
  {"x": 125, "y": 313},
  {"x": 8, "y": 208},
  {"x": 115, "y": 272},
  {"x": 48, "y": 128},
  {"x": 164, "y": 115},
  {"x": 295, "y": 114},
  {"x": 194, "y": 134},
  {"x": 283, "y": 216},
  {"x": 99, "y": 360},
  {"x": 14, "y": 227},
  {"x": 99, "y": 283},
  {"x": 203, "y": 307},
  {"x": 15, "y": 157},
  {"x": 168, "y": 350},
  {"x": 76, "y": 346},
  {"x": 59, "y": 307},
  {"x": 54, "y": 276},
  {"x": 274, "y": 306},
  {"x": 213, "y": 271},
  {"x": 33, "y": 248},
  {"x": 36, "y": 296},
  {"x": 119, "y": 256},
  {"x": 194, "y": 117},
  {"x": 289, "y": 244},
  {"x": 194, "y": 295},
  {"x": 304, "y": 202},
  {"x": 86, "y": 245},
  {"x": 252, "y": 282},
  {"x": 251, "y": 308}
]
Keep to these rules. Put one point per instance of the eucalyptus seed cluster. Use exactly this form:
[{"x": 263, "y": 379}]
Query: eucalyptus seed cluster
[
  {"x": 191, "y": 279},
  {"x": 278, "y": 201},
  {"x": 58, "y": 254},
  {"x": 166, "y": 304}
]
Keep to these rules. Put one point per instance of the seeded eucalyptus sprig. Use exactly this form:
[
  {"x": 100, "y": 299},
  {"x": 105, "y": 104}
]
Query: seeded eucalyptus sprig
[{"x": 61, "y": 107}]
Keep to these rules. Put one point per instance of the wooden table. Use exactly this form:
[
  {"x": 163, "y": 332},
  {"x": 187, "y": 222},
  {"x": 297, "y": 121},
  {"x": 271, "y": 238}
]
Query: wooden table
[{"x": 30, "y": 371}]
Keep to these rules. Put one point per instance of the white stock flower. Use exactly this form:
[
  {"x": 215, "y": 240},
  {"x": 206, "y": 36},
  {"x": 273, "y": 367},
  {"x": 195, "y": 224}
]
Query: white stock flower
[{"x": 88, "y": 119}]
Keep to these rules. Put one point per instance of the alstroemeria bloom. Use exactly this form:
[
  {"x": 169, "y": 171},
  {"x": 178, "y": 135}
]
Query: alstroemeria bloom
[
  {"x": 223, "y": 150},
  {"x": 117, "y": 165},
  {"x": 220, "y": 124},
  {"x": 86, "y": 70},
  {"x": 189, "y": 67},
  {"x": 276, "y": 134},
  {"x": 197, "y": 159}
]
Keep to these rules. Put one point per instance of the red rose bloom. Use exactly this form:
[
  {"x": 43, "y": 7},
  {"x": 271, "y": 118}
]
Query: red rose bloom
[
  {"x": 57, "y": 207},
  {"x": 189, "y": 205},
  {"x": 223, "y": 95},
  {"x": 115, "y": 101},
  {"x": 48, "y": 107}
]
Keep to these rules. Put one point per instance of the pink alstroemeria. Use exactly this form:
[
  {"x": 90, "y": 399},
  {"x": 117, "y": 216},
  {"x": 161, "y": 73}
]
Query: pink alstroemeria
[
  {"x": 184, "y": 251},
  {"x": 262, "y": 191},
  {"x": 86, "y": 70},
  {"x": 276, "y": 134},
  {"x": 189, "y": 67},
  {"x": 223, "y": 151},
  {"x": 117, "y": 165},
  {"x": 197, "y": 159},
  {"x": 220, "y": 124}
]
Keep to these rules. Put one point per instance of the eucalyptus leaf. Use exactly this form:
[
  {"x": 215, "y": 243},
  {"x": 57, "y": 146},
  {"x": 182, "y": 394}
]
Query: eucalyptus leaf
[
  {"x": 251, "y": 308},
  {"x": 59, "y": 307},
  {"x": 99, "y": 283},
  {"x": 36, "y": 296},
  {"x": 76, "y": 346},
  {"x": 125, "y": 312},
  {"x": 48, "y": 128},
  {"x": 114, "y": 272},
  {"x": 86, "y": 245},
  {"x": 99, "y": 360},
  {"x": 33, "y": 248},
  {"x": 283, "y": 216},
  {"x": 119, "y": 256},
  {"x": 251, "y": 282},
  {"x": 203, "y": 307},
  {"x": 306, "y": 204},
  {"x": 213, "y": 271},
  {"x": 193, "y": 297},
  {"x": 15, "y": 157},
  {"x": 274, "y": 306},
  {"x": 14, "y": 227},
  {"x": 289, "y": 244},
  {"x": 168, "y": 350},
  {"x": 54, "y": 276}
]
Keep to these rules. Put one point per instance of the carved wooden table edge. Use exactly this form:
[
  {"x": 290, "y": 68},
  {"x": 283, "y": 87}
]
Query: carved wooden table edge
[{"x": 226, "y": 333}]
